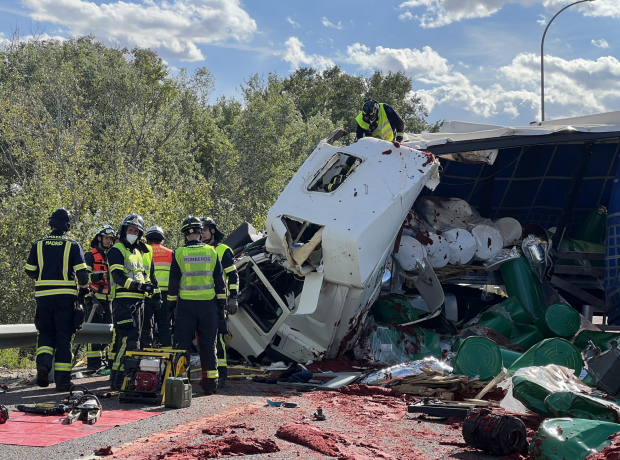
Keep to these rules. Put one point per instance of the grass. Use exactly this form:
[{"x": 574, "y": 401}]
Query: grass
[{"x": 15, "y": 358}]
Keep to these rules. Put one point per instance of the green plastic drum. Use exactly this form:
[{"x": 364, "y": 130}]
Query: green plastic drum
[
  {"x": 520, "y": 283},
  {"x": 563, "y": 320},
  {"x": 593, "y": 227},
  {"x": 601, "y": 339},
  {"x": 550, "y": 351},
  {"x": 570, "y": 438},
  {"x": 528, "y": 336},
  {"x": 497, "y": 322},
  {"x": 509, "y": 356},
  {"x": 515, "y": 310},
  {"x": 478, "y": 356}
]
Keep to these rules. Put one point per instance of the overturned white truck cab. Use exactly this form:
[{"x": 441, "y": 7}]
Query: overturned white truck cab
[{"x": 306, "y": 290}]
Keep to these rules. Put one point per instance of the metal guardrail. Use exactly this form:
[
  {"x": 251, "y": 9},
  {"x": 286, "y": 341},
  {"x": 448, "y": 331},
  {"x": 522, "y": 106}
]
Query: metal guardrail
[{"x": 25, "y": 335}]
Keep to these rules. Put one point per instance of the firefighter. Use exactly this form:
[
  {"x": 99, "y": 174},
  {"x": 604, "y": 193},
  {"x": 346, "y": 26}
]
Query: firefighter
[
  {"x": 130, "y": 281},
  {"x": 56, "y": 262},
  {"x": 100, "y": 297},
  {"x": 380, "y": 121},
  {"x": 158, "y": 312},
  {"x": 197, "y": 281},
  {"x": 152, "y": 302},
  {"x": 212, "y": 236}
]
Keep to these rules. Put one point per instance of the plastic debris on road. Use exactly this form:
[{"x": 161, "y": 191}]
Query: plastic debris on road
[{"x": 570, "y": 439}]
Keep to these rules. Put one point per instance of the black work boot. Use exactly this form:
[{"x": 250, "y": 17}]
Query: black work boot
[
  {"x": 223, "y": 376},
  {"x": 64, "y": 386},
  {"x": 208, "y": 385},
  {"x": 43, "y": 376}
]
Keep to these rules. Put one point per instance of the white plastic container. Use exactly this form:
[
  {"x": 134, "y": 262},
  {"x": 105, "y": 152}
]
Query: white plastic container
[
  {"x": 409, "y": 251},
  {"x": 489, "y": 242},
  {"x": 510, "y": 229},
  {"x": 150, "y": 365},
  {"x": 462, "y": 246}
]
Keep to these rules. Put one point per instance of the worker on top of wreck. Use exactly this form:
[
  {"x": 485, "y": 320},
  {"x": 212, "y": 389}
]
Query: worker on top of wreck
[{"x": 380, "y": 121}]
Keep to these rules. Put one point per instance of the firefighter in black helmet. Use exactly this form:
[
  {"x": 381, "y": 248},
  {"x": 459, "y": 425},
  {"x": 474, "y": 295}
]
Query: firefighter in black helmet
[
  {"x": 56, "y": 263},
  {"x": 197, "y": 285},
  {"x": 379, "y": 120},
  {"x": 131, "y": 280},
  {"x": 212, "y": 236}
]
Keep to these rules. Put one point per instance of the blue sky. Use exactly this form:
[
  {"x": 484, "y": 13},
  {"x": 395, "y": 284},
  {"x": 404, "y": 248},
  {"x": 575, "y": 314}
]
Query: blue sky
[{"x": 473, "y": 60}]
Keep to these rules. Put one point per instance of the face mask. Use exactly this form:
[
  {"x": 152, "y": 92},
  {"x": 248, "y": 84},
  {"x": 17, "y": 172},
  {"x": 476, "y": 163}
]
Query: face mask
[{"x": 131, "y": 239}]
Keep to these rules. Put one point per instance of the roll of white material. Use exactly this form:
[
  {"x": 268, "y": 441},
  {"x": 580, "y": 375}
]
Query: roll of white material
[
  {"x": 489, "y": 241},
  {"x": 437, "y": 249},
  {"x": 409, "y": 251},
  {"x": 510, "y": 229},
  {"x": 460, "y": 208},
  {"x": 462, "y": 246}
]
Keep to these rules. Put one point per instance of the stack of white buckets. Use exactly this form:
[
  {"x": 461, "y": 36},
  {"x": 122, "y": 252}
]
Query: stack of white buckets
[{"x": 450, "y": 231}]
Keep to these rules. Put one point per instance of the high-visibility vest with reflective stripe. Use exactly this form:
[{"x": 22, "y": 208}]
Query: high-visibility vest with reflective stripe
[
  {"x": 384, "y": 129},
  {"x": 162, "y": 259},
  {"x": 147, "y": 259},
  {"x": 63, "y": 282},
  {"x": 197, "y": 263},
  {"x": 134, "y": 270},
  {"x": 221, "y": 249},
  {"x": 100, "y": 288}
]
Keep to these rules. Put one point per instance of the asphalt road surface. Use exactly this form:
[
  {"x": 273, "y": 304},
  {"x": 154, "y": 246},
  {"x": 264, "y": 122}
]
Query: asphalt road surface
[{"x": 239, "y": 419}]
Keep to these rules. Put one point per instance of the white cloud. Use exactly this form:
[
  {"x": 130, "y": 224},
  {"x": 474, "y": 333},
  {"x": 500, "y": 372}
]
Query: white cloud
[
  {"x": 4, "y": 41},
  {"x": 406, "y": 16},
  {"x": 411, "y": 61},
  {"x": 327, "y": 23},
  {"x": 602, "y": 43},
  {"x": 295, "y": 24},
  {"x": 543, "y": 20},
  {"x": 296, "y": 56},
  {"x": 572, "y": 87},
  {"x": 439, "y": 13},
  {"x": 174, "y": 28}
]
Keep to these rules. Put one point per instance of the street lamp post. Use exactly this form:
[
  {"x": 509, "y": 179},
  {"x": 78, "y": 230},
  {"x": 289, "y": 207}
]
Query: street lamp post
[{"x": 542, "y": 59}]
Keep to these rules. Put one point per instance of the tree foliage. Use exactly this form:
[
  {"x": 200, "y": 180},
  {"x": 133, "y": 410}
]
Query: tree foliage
[{"x": 105, "y": 131}]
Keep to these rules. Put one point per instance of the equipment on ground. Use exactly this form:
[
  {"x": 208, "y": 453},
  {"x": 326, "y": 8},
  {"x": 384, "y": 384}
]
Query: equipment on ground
[
  {"x": 146, "y": 372},
  {"x": 179, "y": 391},
  {"x": 494, "y": 434},
  {"x": 4, "y": 414},
  {"x": 86, "y": 409},
  {"x": 43, "y": 409}
]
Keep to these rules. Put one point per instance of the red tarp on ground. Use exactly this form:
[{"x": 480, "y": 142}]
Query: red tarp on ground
[{"x": 40, "y": 431}]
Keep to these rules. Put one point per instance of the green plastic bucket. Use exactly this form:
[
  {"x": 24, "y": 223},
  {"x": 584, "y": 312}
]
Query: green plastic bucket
[
  {"x": 520, "y": 283},
  {"x": 528, "y": 336},
  {"x": 563, "y": 320},
  {"x": 550, "y": 351},
  {"x": 478, "y": 356}
]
